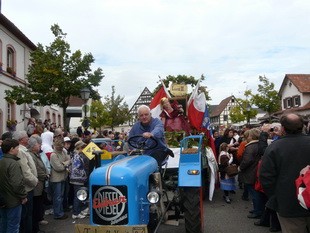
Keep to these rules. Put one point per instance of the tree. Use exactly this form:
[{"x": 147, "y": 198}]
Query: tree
[
  {"x": 239, "y": 113},
  {"x": 267, "y": 98},
  {"x": 118, "y": 111},
  {"x": 189, "y": 80},
  {"x": 56, "y": 74},
  {"x": 99, "y": 116}
]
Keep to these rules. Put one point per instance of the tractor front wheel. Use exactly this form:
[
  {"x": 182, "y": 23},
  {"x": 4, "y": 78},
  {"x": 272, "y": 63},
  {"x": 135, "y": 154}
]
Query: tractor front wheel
[{"x": 192, "y": 207}]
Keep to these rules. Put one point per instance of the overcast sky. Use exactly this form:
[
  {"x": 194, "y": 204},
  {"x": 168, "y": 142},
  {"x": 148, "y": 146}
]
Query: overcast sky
[{"x": 230, "y": 42}]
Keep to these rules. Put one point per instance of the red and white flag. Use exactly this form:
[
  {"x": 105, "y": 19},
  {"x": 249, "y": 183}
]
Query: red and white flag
[
  {"x": 196, "y": 107},
  {"x": 155, "y": 104}
]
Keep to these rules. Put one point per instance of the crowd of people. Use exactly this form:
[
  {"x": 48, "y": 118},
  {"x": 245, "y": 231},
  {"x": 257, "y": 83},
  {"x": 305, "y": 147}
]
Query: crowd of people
[
  {"x": 269, "y": 159},
  {"x": 45, "y": 168},
  {"x": 42, "y": 168}
]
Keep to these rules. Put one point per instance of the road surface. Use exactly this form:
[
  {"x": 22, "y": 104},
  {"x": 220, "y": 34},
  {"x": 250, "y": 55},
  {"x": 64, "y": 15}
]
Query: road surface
[{"x": 219, "y": 217}]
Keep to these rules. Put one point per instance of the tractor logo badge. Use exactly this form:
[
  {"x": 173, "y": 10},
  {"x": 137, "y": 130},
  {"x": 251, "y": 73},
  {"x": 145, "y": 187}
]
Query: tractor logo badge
[{"x": 109, "y": 204}]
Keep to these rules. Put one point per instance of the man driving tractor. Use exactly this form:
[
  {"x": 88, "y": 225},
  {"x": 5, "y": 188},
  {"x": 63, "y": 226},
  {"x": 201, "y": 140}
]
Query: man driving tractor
[{"x": 149, "y": 128}]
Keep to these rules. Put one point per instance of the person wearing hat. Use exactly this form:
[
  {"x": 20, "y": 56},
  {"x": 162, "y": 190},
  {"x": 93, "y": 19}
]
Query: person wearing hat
[
  {"x": 67, "y": 141},
  {"x": 60, "y": 162},
  {"x": 79, "y": 174}
]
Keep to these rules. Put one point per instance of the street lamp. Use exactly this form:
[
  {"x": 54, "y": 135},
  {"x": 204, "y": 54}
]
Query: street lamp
[
  {"x": 248, "y": 110},
  {"x": 85, "y": 93}
]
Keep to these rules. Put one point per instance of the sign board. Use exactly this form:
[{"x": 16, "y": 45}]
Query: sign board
[
  {"x": 81, "y": 228},
  {"x": 89, "y": 149},
  {"x": 86, "y": 109},
  {"x": 85, "y": 123},
  {"x": 178, "y": 89}
]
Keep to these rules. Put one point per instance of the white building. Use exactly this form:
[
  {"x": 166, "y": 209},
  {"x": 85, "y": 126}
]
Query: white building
[
  {"x": 295, "y": 94},
  {"x": 15, "y": 49}
]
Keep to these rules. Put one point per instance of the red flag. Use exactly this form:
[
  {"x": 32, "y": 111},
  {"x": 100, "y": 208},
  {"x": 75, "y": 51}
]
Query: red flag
[
  {"x": 196, "y": 108},
  {"x": 155, "y": 104}
]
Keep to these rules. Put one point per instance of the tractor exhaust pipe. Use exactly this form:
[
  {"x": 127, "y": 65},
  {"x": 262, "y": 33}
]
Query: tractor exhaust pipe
[{"x": 98, "y": 158}]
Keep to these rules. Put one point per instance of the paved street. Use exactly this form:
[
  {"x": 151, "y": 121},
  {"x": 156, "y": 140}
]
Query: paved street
[{"x": 219, "y": 218}]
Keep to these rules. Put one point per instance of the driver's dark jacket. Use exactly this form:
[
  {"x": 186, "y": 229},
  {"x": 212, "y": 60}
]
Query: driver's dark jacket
[
  {"x": 281, "y": 165},
  {"x": 155, "y": 127}
]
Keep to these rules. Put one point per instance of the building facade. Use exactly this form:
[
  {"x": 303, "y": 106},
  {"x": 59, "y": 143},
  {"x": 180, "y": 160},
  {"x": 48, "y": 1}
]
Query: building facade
[
  {"x": 15, "y": 49},
  {"x": 220, "y": 114},
  {"x": 295, "y": 94}
]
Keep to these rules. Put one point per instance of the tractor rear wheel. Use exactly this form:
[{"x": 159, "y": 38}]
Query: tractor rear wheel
[{"x": 192, "y": 207}]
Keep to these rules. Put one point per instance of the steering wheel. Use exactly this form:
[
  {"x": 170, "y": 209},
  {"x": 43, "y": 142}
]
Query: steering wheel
[{"x": 142, "y": 143}]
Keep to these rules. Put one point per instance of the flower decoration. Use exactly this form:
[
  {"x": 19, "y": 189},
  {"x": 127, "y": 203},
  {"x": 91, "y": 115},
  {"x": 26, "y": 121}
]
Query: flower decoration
[
  {"x": 1, "y": 64},
  {"x": 10, "y": 70},
  {"x": 11, "y": 124}
]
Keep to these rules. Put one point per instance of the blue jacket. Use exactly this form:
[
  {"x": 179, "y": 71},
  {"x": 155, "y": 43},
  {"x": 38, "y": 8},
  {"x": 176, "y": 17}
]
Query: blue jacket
[{"x": 155, "y": 127}]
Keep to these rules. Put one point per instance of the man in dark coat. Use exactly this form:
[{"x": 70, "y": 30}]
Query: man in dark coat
[{"x": 281, "y": 164}]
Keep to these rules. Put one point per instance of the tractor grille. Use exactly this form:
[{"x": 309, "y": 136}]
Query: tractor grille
[{"x": 110, "y": 205}]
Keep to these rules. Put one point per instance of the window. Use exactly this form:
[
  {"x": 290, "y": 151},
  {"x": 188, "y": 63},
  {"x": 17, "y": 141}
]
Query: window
[
  {"x": 225, "y": 117},
  {"x": 47, "y": 115},
  {"x": 9, "y": 112},
  {"x": 289, "y": 102},
  {"x": 59, "y": 119},
  {"x": 53, "y": 118},
  {"x": 10, "y": 58},
  {"x": 296, "y": 100}
]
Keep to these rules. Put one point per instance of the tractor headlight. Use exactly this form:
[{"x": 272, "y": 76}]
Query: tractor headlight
[
  {"x": 82, "y": 194},
  {"x": 153, "y": 197},
  {"x": 193, "y": 172}
]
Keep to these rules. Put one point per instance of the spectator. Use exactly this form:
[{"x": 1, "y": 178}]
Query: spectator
[
  {"x": 217, "y": 142},
  {"x": 59, "y": 173},
  {"x": 281, "y": 164},
  {"x": 47, "y": 142},
  {"x": 227, "y": 183},
  {"x": 38, "y": 198},
  {"x": 236, "y": 135},
  {"x": 79, "y": 131},
  {"x": 58, "y": 134},
  {"x": 67, "y": 141},
  {"x": 79, "y": 177},
  {"x": 30, "y": 178},
  {"x": 12, "y": 188},
  {"x": 248, "y": 167},
  {"x": 105, "y": 133},
  {"x": 269, "y": 217},
  {"x": 242, "y": 144},
  {"x": 31, "y": 126},
  {"x": 38, "y": 130},
  {"x": 231, "y": 142},
  {"x": 3, "y": 137}
]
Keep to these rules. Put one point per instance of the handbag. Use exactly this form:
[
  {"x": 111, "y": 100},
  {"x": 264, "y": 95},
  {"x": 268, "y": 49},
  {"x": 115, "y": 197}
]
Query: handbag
[{"x": 231, "y": 170}]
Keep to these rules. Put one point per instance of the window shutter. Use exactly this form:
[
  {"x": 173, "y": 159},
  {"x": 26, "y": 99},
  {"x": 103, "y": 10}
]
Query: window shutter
[{"x": 285, "y": 103}]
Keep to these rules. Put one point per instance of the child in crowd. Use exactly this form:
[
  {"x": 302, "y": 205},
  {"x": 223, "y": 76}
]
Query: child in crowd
[{"x": 227, "y": 183}]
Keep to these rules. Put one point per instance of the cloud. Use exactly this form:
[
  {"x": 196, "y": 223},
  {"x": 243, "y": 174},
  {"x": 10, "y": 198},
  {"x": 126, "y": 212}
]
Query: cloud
[{"x": 135, "y": 41}]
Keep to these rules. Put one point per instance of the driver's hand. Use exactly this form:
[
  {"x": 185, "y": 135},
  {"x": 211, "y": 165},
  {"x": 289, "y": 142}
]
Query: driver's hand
[
  {"x": 131, "y": 152},
  {"x": 147, "y": 135}
]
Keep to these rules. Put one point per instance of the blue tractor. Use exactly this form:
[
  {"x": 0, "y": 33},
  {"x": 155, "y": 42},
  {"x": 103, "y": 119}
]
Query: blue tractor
[{"x": 133, "y": 191}]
